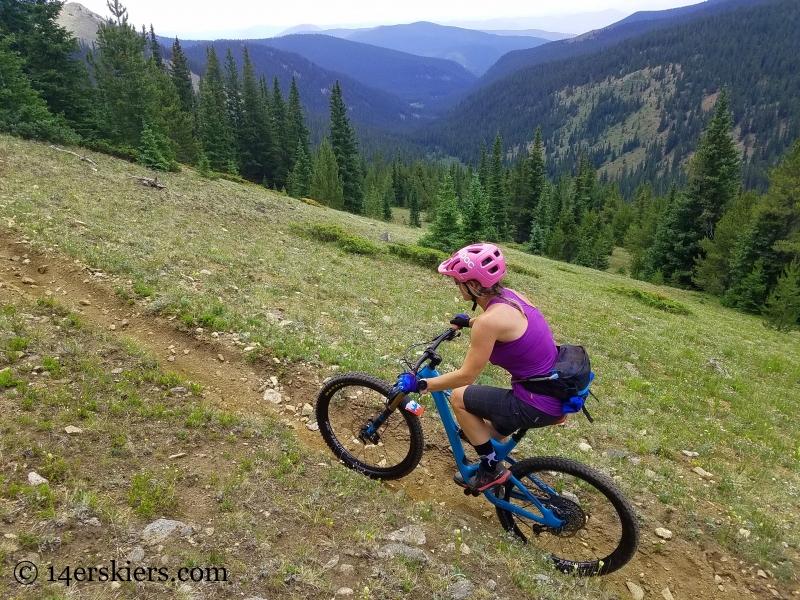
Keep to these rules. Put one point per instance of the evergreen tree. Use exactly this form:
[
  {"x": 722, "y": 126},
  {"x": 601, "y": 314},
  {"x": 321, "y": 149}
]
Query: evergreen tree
[
  {"x": 257, "y": 152},
  {"x": 326, "y": 185},
  {"x": 498, "y": 194},
  {"x": 151, "y": 151},
  {"x": 563, "y": 242},
  {"x": 538, "y": 240},
  {"x": 233, "y": 92},
  {"x": 537, "y": 179},
  {"x": 155, "y": 49},
  {"x": 297, "y": 132},
  {"x": 676, "y": 243},
  {"x": 345, "y": 148},
  {"x": 715, "y": 176},
  {"x": 594, "y": 243},
  {"x": 713, "y": 268},
  {"x": 300, "y": 177},
  {"x": 483, "y": 168},
  {"x": 128, "y": 96},
  {"x": 213, "y": 126},
  {"x": 50, "y": 63},
  {"x": 284, "y": 147},
  {"x": 477, "y": 224},
  {"x": 413, "y": 207},
  {"x": 782, "y": 308},
  {"x": 445, "y": 233},
  {"x": 387, "y": 201},
  {"x": 176, "y": 124},
  {"x": 182, "y": 78},
  {"x": 204, "y": 167},
  {"x": 770, "y": 242},
  {"x": 22, "y": 111}
]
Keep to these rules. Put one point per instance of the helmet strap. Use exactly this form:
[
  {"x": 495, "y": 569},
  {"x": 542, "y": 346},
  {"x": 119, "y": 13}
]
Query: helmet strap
[{"x": 474, "y": 301}]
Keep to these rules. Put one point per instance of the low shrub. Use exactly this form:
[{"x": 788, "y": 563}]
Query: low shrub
[
  {"x": 357, "y": 245},
  {"x": 522, "y": 270},
  {"x": 653, "y": 300},
  {"x": 424, "y": 257},
  {"x": 320, "y": 231}
]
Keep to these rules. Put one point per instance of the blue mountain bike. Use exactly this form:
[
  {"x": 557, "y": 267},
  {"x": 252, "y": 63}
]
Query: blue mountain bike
[{"x": 573, "y": 513}]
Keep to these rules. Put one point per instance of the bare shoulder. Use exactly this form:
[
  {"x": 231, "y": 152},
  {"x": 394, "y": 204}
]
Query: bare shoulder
[{"x": 522, "y": 297}]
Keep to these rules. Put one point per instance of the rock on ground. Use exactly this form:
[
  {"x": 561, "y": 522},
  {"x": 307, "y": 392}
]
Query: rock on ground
[
  {"x": 410, "y": 534},
  {"x": 635, "y": 590},
  {"x": 460, "y": 590},
  {"x": 407, "y": 552},
  {"x": 158, "y": 531}
]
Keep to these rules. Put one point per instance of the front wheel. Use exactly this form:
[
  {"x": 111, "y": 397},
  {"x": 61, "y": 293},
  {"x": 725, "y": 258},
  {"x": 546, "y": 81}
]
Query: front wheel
[
  {"x": 600, "y": 531},
  {"x": 345, "y": 406}
]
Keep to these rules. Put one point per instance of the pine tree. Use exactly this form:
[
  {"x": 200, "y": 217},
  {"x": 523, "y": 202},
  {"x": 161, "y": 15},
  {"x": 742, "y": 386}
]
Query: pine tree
[
  {"x": 782, "y": 308},
  {"x": 477, "y": 224},
  {"x": 772, "y": 238},
  {"x": 483, "y": 168},
  {"x": 213, "y": 126},
  {"x": 715, "y": 176},
  {"x": 413, "y": 207},
  {"x": 22, "y": 111},
  {"x": 151, "y": 151},
  {"x": 676, "y": 243},
  {"x": 155, "y": 49},
  {"x": 204, "y": 167},
  {"x": 345, "y": 148},
  {"x": 284, "y": 147},
  {"x": 257, "y": 152},
  {"x": 297, "y": 132},
  {"x": 51, "y": 65},
  {"x": 182, "y": 78},
  {"x": 300, "y": 177},
  {"x": 537, "y": 181},
  {"x": 445, "y": 232},
  {"x": 326, "y": 185},
  {"x": 497, "y": 192},
  {"x": 387, "y": 201},
  {"x": 128, "y": 97},
  {"x": 233, "y": 92}
]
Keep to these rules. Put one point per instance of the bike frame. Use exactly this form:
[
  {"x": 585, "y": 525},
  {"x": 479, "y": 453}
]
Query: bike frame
[{"x": 502, "y": 450}]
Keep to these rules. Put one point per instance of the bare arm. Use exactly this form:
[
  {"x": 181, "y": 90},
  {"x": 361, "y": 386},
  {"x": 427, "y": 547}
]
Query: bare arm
[{"x": 484, "y": 335}]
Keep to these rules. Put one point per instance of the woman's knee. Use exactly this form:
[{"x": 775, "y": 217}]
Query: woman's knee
[{"x": 457, "y": 398}]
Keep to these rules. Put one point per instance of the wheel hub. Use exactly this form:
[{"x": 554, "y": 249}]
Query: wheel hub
[{"x": 568, "y": 511}]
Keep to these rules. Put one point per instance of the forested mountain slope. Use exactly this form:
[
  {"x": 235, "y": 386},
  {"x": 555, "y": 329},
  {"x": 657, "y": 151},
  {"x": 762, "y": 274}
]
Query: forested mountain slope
[
  {"x": 632, "y": 26},
  {"x": 475, "y": 50},
  {"x": 366, "y": 105},
  {"x": 637, "y": 108},
  {"x": 431, "y": 84}
]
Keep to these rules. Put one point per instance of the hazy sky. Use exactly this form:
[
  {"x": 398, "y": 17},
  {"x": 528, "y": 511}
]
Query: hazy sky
[{"x": 180, "y": 17}]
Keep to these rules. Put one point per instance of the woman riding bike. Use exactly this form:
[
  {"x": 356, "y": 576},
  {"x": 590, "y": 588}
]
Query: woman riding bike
[{"x": 510, "y": 333}]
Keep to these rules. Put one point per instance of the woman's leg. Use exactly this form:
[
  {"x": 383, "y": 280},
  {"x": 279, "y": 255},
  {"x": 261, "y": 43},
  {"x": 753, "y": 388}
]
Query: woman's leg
[{"x": 475, "y": 428}]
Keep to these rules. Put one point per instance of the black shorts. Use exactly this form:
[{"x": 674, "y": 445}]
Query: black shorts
[{"x": 504, "y": 410}]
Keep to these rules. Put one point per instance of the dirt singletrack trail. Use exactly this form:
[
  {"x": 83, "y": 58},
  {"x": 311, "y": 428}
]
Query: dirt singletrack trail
[{"x": 678, "y": 569}]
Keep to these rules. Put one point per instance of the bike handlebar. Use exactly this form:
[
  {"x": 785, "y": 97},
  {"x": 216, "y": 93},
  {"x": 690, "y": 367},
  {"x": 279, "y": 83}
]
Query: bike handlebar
[{"x": 430, "y": 351}]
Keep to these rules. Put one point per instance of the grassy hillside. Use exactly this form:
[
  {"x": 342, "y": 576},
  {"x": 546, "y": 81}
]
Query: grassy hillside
[{"x": 675, "y": 371}]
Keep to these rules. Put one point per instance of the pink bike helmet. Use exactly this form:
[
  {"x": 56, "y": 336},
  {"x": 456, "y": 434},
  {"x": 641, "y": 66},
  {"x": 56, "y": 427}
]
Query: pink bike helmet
[{"x": 482, "y": 262}]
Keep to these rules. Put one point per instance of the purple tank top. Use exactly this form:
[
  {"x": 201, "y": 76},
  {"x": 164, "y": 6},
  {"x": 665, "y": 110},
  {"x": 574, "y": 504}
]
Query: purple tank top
[{"x": 533, "y": 353}]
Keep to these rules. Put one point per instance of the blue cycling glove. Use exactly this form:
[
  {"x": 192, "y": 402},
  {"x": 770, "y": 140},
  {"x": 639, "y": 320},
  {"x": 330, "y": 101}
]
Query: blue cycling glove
[
  {"x": 460, "y": 320},
  {"x": 407, "y": 382}
]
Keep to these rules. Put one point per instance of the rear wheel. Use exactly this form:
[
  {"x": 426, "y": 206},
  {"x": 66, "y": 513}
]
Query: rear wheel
[
  {"x": 600, "y": 531},
  {"x": 345, "y": 406}
]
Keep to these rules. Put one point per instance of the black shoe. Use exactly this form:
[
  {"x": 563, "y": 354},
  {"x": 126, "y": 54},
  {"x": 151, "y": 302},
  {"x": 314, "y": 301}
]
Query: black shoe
[{"x": 482, "y": 480}]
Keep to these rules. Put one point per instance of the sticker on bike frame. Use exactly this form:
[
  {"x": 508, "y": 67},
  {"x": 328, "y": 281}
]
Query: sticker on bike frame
[{"x": 414, "y": 407}]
